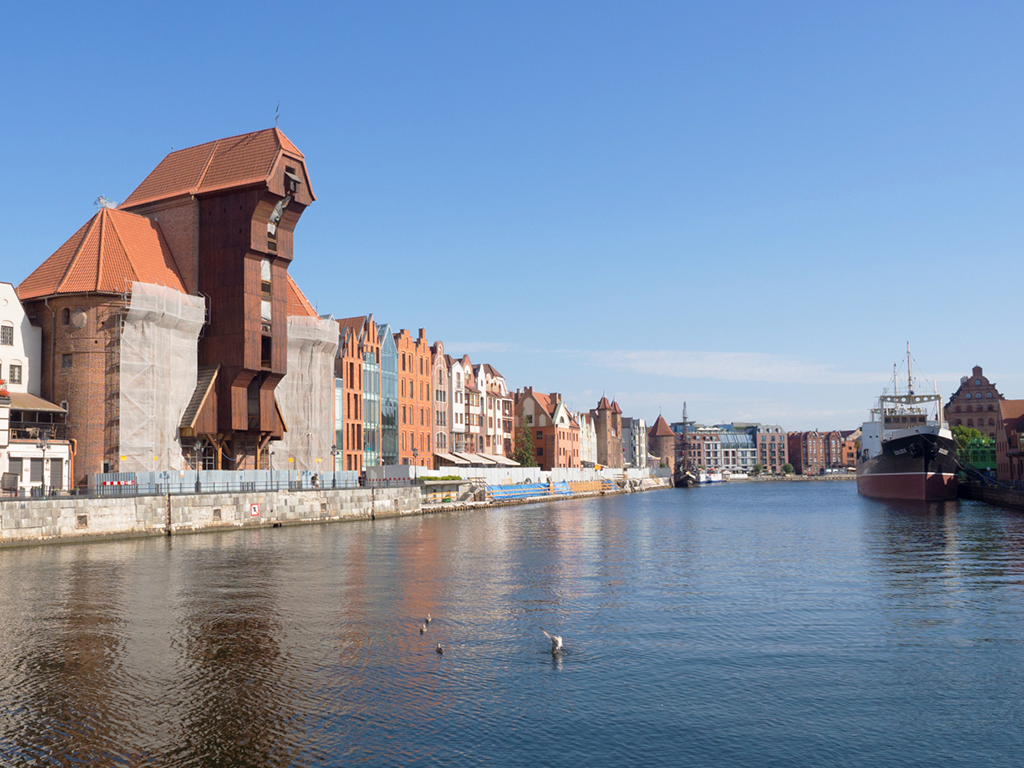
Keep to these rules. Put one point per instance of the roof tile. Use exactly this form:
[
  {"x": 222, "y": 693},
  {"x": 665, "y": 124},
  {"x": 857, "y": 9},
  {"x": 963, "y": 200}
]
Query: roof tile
[
  {"x": 113, "y": 250},
  {"x": 221, "y": 164}
]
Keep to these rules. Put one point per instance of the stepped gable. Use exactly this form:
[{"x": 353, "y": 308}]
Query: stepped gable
[
  {"x": 237, "y": 161},
  {"x": 661, "y": 429},
  {"x": 298, "y": 304},
  {"x": 110, "y": 252}
]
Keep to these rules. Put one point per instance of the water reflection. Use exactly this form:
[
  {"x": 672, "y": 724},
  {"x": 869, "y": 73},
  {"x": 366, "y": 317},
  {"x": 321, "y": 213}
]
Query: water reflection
[{"x": 747, "y": 625}]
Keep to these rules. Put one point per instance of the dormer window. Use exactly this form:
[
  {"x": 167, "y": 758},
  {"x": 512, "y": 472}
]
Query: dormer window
[{"x": 292, "y": 181}]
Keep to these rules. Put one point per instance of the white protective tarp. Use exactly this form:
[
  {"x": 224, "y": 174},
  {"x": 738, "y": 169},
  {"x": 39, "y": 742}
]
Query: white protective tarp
[
  {"x": 158, "y": 374},
  {"x": 306, "y": 395}
]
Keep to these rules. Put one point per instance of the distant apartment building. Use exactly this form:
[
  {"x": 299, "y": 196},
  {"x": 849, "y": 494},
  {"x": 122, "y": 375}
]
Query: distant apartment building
[
  {"x": 975, "y": 404},
  {"x": 441, "y": 386},
  {"x": 739, "y": 452},
  {"x": 497, "y": 417},
  {"x": 556, "y": 434},
  {"x": 348, "y": 368},
  {"x": 416, "y": 414},
  {"x": 771, "y": 445},
  {"x": 704, "y": 446},
  {"x": 851, "y": 439},
  {"x": 807, "y": 452},
  {"x": 634, "y": 442},
  {"x": 588, "y": 438}
]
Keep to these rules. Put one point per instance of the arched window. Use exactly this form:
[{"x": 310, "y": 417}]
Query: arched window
[
  {"x": 65, "y": 316},
  {"x": 967, "y": 396},
  {"x": 970, "y": 422},
  {"x": 977, "y": 382},
  {"x": 7, "y": 334},
  {"x": 988, "y": 394},
  {"x": 991, "y": 407},
  {"x": 440, "y": 376}
]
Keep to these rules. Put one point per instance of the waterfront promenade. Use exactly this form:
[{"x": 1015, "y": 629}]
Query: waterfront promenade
[{"x": 68, "y": 518}]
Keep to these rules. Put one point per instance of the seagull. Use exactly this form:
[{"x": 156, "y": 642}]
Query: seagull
[
  {"x": 556, "y": 641},
  {"x": 428, "y": 618},
  {"x": 439, "y": 649},
  {"x": 423, "y": 628}
]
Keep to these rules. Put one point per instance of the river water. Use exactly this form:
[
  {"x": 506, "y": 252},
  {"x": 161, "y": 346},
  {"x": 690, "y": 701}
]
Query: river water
[{"x": 770, "y": 624}]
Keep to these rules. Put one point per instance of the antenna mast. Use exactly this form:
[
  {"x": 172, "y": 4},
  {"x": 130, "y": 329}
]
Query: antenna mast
[{"x": 910, "y": 374}]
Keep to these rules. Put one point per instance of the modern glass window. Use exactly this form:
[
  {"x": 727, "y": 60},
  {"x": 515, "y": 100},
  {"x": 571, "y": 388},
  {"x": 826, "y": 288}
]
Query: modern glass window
[{"x": 388, "y": 396}]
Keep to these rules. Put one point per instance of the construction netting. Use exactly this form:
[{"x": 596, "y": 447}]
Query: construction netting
[
  {"x": 158, "y": 373},
  {"x": 306, "y": 395}
]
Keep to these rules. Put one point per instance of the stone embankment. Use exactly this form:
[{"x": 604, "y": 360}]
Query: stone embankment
[
  {"x": 1000, "y": 497},
  {"x": 68, "y": 518}
]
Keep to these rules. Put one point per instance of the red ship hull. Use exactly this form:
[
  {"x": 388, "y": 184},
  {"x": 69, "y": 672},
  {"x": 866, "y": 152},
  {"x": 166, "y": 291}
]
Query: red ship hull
[{"x": 913, "y": 486}]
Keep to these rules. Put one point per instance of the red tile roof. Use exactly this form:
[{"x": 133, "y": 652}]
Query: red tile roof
[
  {"x": 1011, "y": 411},
  {"x": 544, "y": 401},
  {"x": 298, "y": 304},
  {"x": 603, "y": 404},
  {"x": 615, "y": 407},
  {"x": 113, "y": 250},
  {"x": 222, "y": 164},
  {"x": 660, "y": 429}
]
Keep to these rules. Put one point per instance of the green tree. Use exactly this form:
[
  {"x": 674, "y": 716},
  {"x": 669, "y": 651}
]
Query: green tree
[
  {"x": 787, "y": 469},
  {"x": 524, "y": 452},
  {"x": 757, "y": 469},
  {"x": 963, "y": 436}
]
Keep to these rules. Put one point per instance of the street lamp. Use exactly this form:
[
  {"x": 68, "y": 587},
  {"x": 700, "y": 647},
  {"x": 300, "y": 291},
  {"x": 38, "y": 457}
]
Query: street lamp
[
  {"x": 415, "y": 471},
  {"x": 42, "y": 444}
]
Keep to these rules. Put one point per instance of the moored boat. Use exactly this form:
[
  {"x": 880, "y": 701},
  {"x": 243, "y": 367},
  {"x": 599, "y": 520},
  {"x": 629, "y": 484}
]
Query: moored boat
[{"x": 907, "y": 450}]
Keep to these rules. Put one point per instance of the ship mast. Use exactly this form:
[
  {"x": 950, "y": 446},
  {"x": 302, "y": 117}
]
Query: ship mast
[{"x": 910, "y": 374}]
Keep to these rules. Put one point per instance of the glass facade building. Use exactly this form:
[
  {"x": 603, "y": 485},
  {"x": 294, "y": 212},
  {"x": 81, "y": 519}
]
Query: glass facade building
[
  {"x": 371, "y": 410},
  {"x": 339, "y": 423},
  {"x": 388, "y": 396}
]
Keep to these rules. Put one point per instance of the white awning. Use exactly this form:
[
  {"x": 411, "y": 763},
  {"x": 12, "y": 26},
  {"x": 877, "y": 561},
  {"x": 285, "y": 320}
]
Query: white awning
[
  {"x": 475, "y": 458},
  {"x": 449, "y": 458},
  {"x": 504, "y": 461}
]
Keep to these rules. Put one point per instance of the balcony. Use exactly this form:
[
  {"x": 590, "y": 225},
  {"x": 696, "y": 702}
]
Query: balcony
[{"x": 31, "y": 430}]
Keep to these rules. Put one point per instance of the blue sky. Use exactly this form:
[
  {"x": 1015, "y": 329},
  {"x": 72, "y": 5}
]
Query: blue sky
[{"x": 750, "y": 207}]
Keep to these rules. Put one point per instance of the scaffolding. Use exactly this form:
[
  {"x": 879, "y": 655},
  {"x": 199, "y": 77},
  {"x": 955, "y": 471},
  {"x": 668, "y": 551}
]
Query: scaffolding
[
  {"x": 306, "y": 395},
  {"x": 158, "y": 354}
]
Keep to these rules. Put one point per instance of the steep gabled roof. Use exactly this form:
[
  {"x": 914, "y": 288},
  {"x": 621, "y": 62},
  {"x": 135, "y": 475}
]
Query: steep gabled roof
[
  {"x": 298, "y": 304},
  {"x": 615, "y": 407},
  {"x": 1011, "y": 411},
  {"x": 544, "y": 401},
  {"x": 237, "y": 161},
  {"x": 603, "y": 404},
  {"x": 113, "y": 250}
]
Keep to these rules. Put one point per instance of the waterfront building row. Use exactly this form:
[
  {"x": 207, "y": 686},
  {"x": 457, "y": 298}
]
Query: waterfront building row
[{"x": 167, "y": 333}]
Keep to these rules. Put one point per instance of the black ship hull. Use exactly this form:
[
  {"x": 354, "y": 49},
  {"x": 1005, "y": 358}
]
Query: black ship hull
[{"x": 921, "y": 467}]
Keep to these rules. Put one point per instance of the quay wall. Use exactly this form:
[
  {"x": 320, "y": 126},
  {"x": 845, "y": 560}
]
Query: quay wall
[
  {"x": 31, "y": 520},
  {"x": 34, "y": 520},
  {"x": 1000, "y": 497}
]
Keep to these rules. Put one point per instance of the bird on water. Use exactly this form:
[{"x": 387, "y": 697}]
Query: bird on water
[
  {"x": 423, "y": 628},
  {"x": 556, "y": 641},
  {"x": 428, "y": 618},
  {"x": 439, "y": 649}
]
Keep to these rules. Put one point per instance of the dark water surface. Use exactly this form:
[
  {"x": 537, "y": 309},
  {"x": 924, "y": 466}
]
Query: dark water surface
[{"x": 783, "y": 624}]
